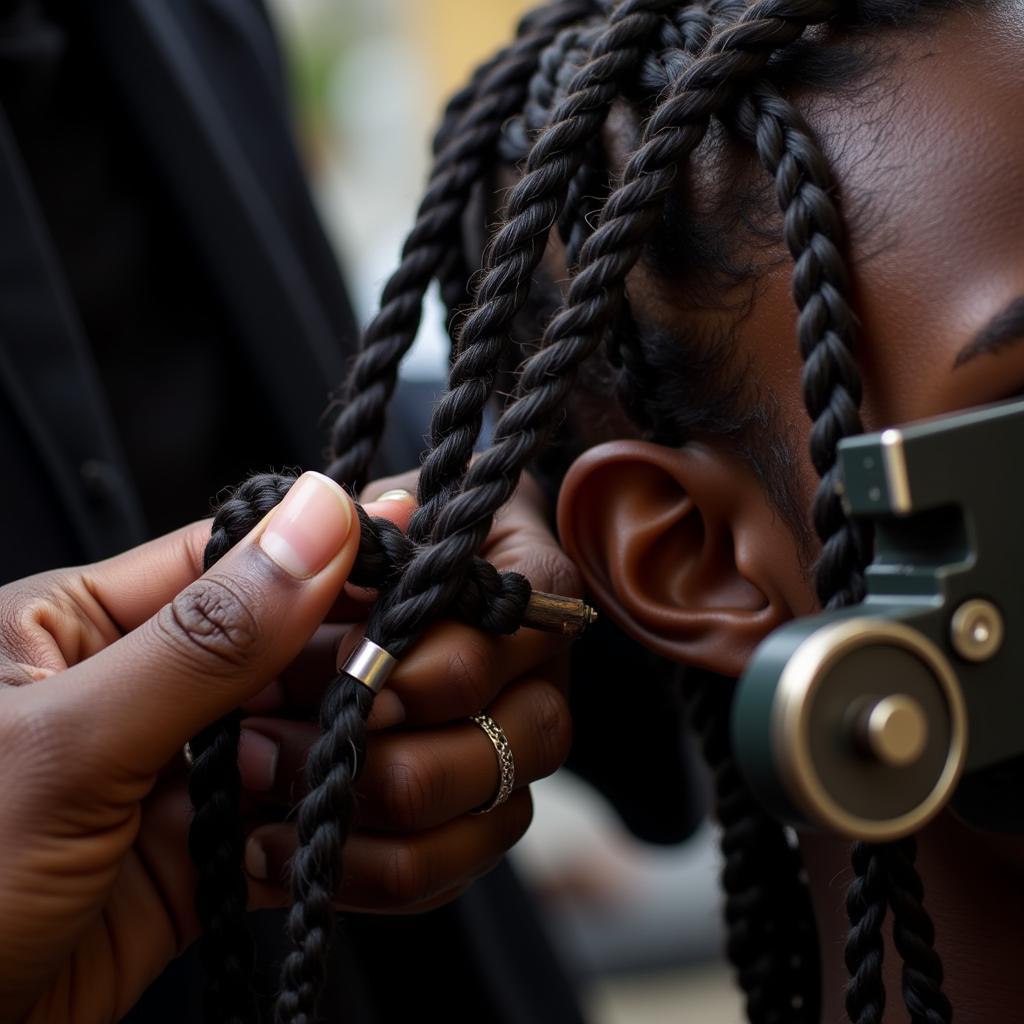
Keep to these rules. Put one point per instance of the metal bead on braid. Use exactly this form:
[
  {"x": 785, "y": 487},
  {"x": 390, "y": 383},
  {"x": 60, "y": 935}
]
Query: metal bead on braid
[{"x": 370, "y": 664}]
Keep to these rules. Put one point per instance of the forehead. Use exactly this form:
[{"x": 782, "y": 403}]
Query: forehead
[
  {"x": 928, "y": 154},
  {"x": 934, "y": 179}
]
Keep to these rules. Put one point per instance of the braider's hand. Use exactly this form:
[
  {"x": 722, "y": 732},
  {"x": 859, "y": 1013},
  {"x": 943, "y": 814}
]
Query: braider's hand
[
  {"x": 105, "y": 672},
  {"x": 415, "y": 844}
]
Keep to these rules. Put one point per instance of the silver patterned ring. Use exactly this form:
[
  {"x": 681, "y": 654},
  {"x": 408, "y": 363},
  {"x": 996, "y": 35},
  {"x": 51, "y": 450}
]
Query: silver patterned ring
[{"x": 506, "y": 762}]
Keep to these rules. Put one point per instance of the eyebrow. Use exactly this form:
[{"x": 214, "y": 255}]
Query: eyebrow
[{"x": 1004, "y": 329}]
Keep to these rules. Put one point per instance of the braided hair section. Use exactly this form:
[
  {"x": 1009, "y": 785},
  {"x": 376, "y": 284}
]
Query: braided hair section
[
  {"x": 533, "y": 207},
  {"x": 812, "y": 228},
  {"x": 335, "y": 760},
  {"x": 772, "y": 941},
  {"x": 470, "y": 131},
  {"x": 914, "y": 936},
  {"x": 883, "y": 874}
]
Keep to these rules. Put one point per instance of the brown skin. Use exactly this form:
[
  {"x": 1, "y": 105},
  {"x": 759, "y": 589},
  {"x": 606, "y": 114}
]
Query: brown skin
[
  {"x": 681, "y": 546},
  {"x": 102, "y": 681}
]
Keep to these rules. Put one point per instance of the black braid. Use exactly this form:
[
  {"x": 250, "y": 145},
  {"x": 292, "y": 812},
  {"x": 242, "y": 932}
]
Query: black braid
[
  {"x": 812, "y": 227},
  {"x": 914, "y": 936},
  {"x": 832, "y": 391},
  {"x": 866, "y": 902},
  {"x": 533, "y": 207},
  {"x": 434, "y": 245},
  {"x": 336, "y": 758},
  {"x": 558, "y": 65},
  {"x": 772, "y": 941}
]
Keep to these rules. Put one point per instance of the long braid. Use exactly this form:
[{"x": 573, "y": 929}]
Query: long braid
[
  {"x": 812, "y": 227},
  {"x": 461, "y": 162},
  {"x": 914, "y": 936},
  {"x": 832, "y": 390},
  {"x": 474, "y": 120},
  {"x": 772, "y": 941},
  {"x": 533, "y": 207},
  {"x": 335, "y": 759}
]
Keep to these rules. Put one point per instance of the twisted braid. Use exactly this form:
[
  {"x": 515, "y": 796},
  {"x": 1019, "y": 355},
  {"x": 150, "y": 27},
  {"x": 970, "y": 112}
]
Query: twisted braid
[
  {"x": 866, "y": 903},
  {"x": 335, "y": 759},
  {"x": 323, "y": 823},
  {"x": 558, "y": 65},
  {"x": 772, "y": 942},
  {"x": 468, "y": 136},
  {"x": 812, "y": 227},
  {"x": 832, "y": 391},
  {"x": 512, "y": 255},
  {"x": 914, "y": 936}
]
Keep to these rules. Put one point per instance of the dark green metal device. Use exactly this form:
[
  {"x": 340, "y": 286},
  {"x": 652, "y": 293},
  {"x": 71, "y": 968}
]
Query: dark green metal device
[{"x": 869, "y": 720}]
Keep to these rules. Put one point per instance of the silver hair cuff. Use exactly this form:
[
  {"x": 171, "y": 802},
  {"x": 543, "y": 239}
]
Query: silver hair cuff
[{"x": 370, "y": 664}]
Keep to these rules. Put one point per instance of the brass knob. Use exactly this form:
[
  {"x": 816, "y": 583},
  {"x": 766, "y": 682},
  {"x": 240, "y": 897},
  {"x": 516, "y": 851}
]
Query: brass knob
[
  {"x": 977, "y": 630},
  {"x": 894, "y": 730}
]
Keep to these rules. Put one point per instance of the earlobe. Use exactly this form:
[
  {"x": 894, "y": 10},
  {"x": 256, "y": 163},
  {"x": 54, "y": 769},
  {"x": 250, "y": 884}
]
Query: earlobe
[{"x": 680, "y": 547}]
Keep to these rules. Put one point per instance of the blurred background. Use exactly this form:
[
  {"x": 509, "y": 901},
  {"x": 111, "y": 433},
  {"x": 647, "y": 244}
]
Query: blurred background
[{"x": 638, "y": 926}]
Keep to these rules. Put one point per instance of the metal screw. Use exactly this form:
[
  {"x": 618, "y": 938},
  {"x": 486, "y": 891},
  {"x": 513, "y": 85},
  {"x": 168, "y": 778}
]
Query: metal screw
[
  {"x": 977, "y": 630},
  {"x": 894, "y": 730}
]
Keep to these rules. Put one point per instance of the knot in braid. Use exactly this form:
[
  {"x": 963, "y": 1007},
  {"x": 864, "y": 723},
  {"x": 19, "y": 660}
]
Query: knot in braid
[{"x": 492, "y": 600}]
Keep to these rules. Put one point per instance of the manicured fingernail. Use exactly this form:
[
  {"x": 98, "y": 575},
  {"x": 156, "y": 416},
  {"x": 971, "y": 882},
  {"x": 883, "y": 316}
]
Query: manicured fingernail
[
  {"x": 395, "y": 495},
  {"x": 255, "y": 859},
  {"x": 309, "y": 527},
  {"x": 257, "y": 761}
]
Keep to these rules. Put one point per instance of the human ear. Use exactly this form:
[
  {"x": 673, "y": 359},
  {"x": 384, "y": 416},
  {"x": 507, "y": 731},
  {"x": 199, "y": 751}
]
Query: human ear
[{"x": 681, "y": 548}]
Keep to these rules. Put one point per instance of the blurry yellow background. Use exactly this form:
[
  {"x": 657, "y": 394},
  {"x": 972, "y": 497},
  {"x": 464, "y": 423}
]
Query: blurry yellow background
[{"x": 460, "y": 32}]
